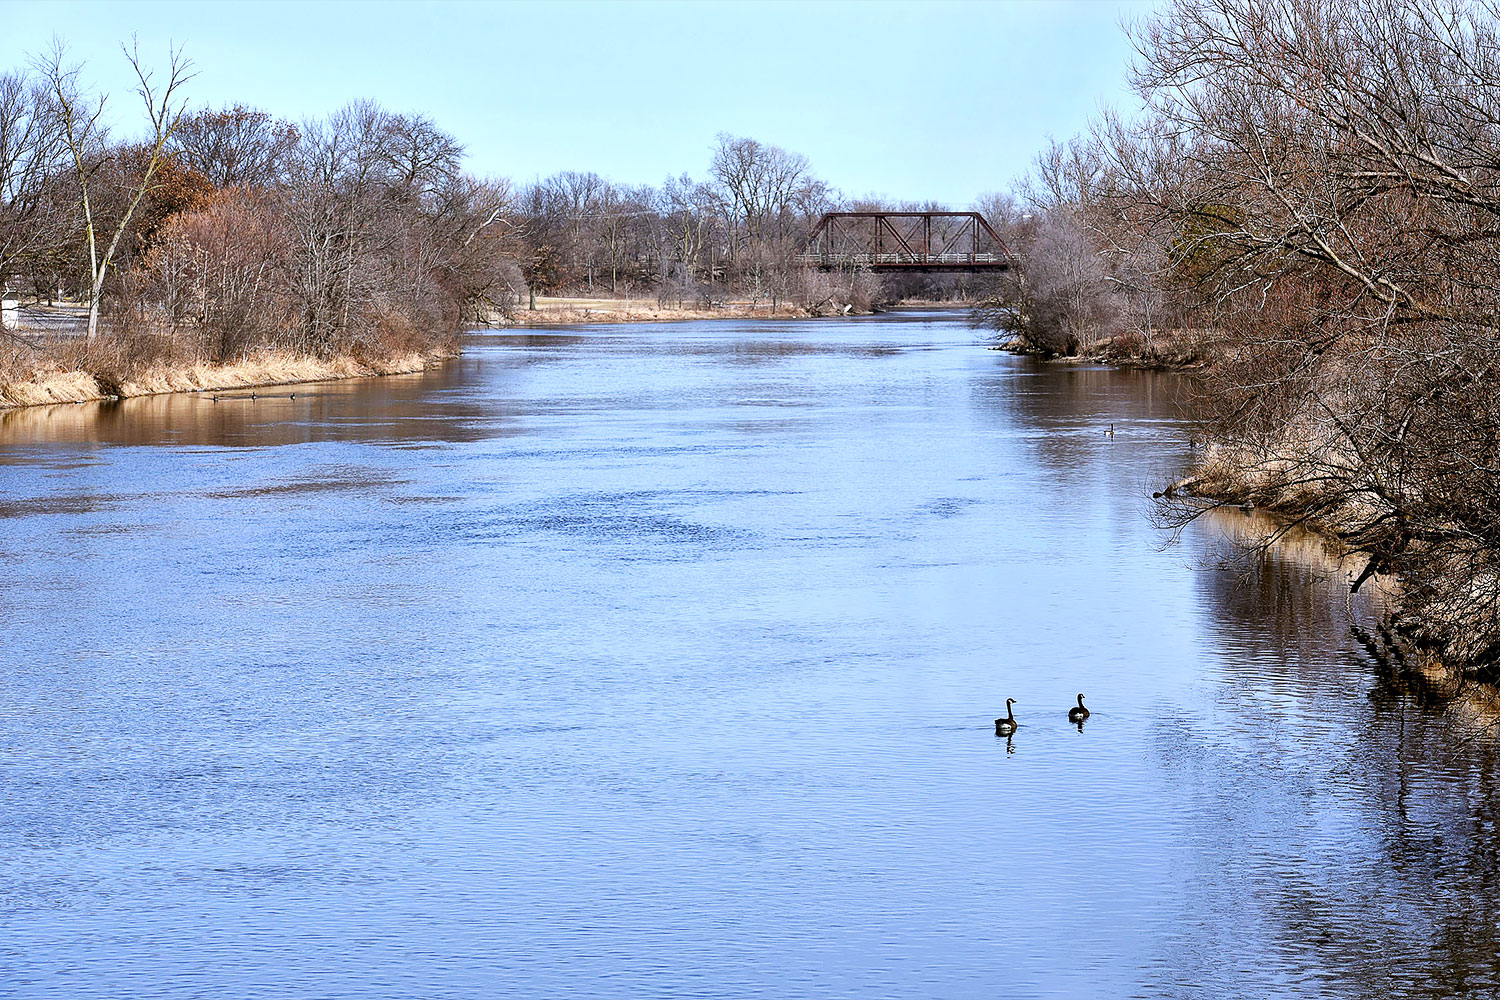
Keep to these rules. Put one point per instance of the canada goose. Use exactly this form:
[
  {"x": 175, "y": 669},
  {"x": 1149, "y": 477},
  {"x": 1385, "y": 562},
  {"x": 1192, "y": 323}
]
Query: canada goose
[
  {"x": 1078, "y": 714},
  {"x": 1007, "y": 725},
  {"x": 1111, "y": 432}
]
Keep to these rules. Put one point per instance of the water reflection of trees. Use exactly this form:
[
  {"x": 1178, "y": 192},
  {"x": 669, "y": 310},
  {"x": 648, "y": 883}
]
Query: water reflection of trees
[
  {"x": 1041, "y": 394},
  {"x": 1068, "y": 409},
  {"x": 397, "y": 408},
  {"x": 1366, "y": 837}
]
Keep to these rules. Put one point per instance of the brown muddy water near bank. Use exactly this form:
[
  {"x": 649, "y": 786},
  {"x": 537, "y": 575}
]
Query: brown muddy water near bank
[{"x": 661, "y": 660}]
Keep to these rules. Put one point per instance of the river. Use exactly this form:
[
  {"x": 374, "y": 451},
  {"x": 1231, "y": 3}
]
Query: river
[{"x": 662, "y": 661}]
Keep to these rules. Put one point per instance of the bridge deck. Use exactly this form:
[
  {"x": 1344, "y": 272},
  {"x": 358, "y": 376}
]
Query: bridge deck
[{"x": 906, "y": 262}]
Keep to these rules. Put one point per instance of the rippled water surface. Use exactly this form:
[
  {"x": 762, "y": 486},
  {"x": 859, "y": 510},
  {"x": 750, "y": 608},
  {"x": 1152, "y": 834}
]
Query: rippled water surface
[{"x": 661, "y": 661}]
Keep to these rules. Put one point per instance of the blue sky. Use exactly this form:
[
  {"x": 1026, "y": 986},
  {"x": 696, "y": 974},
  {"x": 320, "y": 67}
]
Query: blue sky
[{"x": 914, "y": 101}]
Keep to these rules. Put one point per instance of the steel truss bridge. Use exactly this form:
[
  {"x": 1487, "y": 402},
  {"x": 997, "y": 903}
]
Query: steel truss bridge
[{"x": 905, "y": 241}]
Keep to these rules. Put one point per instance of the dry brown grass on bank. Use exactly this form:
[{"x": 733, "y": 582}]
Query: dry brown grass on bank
[
  {"x": 1286, "y": 481},
  {"x": 66, "y": 376},
  {"x": 132, "y": 358},
  {"x": 271, "y": 368},
  {"x": 1169, "y": 349},
  {"x": 575, "y": 311},
  {"x": 33, "y": 372},
  {"x": 929, "y": 304}
]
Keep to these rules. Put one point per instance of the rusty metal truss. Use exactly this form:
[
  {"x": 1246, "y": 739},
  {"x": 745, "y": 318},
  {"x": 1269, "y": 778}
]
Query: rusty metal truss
[{"x": 905, "y": 241}]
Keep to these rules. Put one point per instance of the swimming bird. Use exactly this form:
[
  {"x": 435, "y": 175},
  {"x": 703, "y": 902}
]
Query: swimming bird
[
  {"x": 1007, "y": 725},
  {"x": 1078, "y": 714},
  {"x": 1111, "y": 432}
]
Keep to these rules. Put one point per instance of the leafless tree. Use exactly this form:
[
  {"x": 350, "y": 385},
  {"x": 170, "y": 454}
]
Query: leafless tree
[
  {"x": 762, "y": 186},
  {"x": 689, "y": 228},
  {"x": 33, "y": 222},
  {"x": 83, "y": 134},
  {"x": 233, "y": 147}
]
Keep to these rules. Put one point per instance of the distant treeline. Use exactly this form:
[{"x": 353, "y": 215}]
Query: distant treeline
[
  {"x": 734, "y": 233},
  {"x": 228, "y": 230},
  {"x": 1309, "y": 206}
]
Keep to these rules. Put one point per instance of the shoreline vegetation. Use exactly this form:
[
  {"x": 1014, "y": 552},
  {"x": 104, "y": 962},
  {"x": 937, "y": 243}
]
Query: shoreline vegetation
[
  {"x": 66, "y": 371},
  {"x": 1436, "y": 653},
  {"x": 1313, "y": 185},
  {"x": 1430, "y": 653}
]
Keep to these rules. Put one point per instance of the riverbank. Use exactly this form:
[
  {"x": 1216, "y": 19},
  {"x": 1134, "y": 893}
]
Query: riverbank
[
  {"x": 1164, "y": 350},
  {"x": 1440, "y": 635},
  {"x": 572, "y": 311},
  {"x": 1402, "y": 665},
  {"x": 57, "y": 383},
  {"x": 1317, "y": 548}
]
